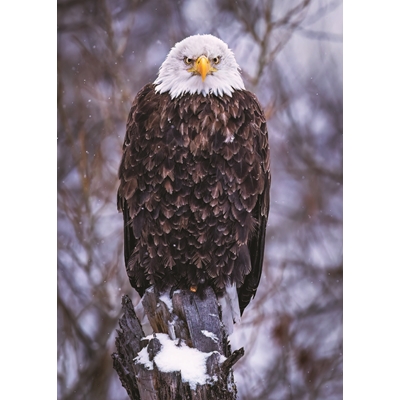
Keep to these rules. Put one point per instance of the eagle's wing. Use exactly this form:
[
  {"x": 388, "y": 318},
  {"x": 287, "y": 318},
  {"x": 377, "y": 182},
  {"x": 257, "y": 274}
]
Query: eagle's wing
[
  {"x": 128, "y": 185},
  {"x": 261, "y": 210}
]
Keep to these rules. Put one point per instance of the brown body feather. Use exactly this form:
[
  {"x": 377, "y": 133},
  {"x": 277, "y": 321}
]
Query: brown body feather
[{"x": 194, "y": 191}]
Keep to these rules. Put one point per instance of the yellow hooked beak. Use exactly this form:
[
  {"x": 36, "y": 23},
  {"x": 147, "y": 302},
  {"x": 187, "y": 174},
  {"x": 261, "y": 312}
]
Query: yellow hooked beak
[{"x": 202, "y": 67}]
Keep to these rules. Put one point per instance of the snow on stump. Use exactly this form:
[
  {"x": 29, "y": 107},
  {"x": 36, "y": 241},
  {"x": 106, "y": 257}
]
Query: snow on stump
[{"x": 187, "y": 356}]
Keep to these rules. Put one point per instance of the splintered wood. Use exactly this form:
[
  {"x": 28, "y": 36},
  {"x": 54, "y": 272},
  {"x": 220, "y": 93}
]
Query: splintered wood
[{"x": 186, "y": 330}]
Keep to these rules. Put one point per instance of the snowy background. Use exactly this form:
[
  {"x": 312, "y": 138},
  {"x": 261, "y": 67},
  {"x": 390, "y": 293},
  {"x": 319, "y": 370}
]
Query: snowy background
[{"x": 291, "y": 58}]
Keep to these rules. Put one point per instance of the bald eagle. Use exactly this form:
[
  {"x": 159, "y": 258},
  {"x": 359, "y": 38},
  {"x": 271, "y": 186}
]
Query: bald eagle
[{"x": 195, "y": 178}]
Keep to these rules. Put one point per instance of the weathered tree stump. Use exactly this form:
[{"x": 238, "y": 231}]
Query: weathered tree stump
[{"x": 188, "y": 356}]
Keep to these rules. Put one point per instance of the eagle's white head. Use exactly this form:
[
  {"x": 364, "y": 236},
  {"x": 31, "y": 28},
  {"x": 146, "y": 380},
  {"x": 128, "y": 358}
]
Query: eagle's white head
[{"x": 199, "y": 64}]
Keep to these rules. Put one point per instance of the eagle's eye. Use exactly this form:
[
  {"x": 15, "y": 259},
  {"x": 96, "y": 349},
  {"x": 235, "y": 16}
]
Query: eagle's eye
[
  {"x": 188, "y": 60},
  {"x": 216, "y": 60}
]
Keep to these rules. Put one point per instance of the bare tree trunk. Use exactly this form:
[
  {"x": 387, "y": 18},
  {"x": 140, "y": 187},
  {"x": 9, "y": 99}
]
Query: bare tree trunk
[{"x": 192, "y": 321}]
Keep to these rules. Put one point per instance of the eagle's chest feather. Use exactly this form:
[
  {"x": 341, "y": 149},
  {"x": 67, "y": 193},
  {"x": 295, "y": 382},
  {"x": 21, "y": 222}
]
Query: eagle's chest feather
[{"x": 195, "y": 169}]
